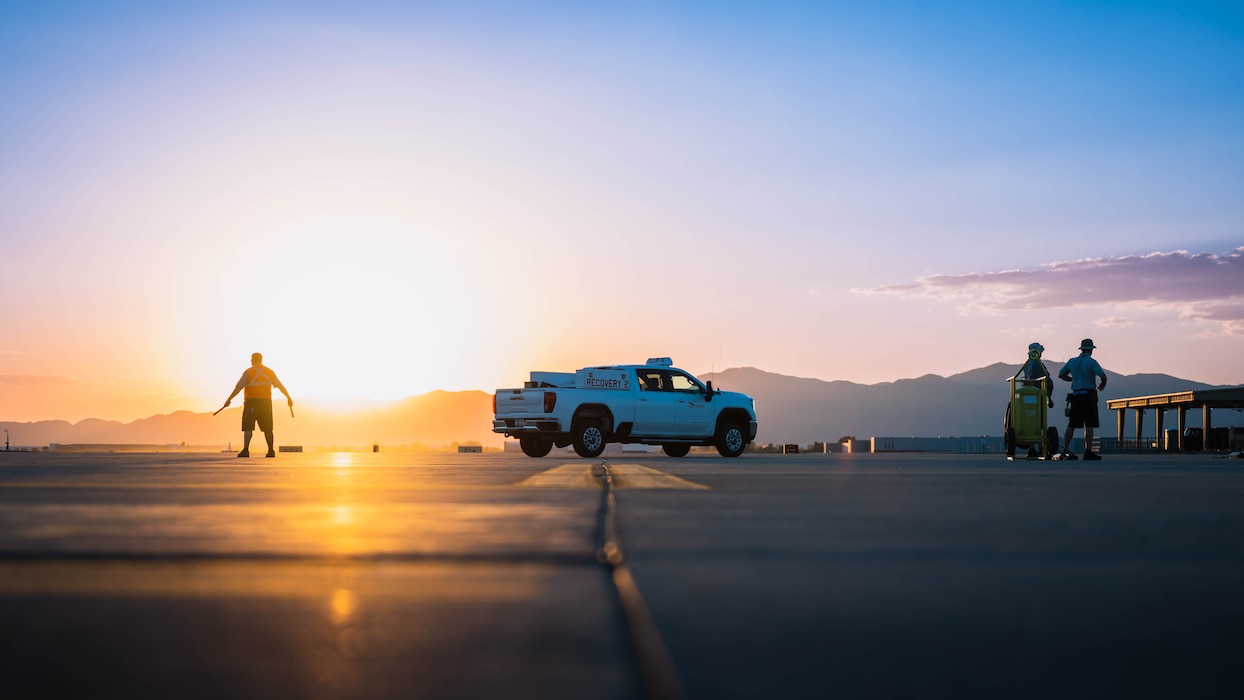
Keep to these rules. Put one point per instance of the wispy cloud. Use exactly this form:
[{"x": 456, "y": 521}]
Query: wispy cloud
[
  {"x": 1230, "y": 313},
  {"x": 1115, "y": 322},
  {"x": 1201, "y": 287},
  {"x": 34, "y": 379}
]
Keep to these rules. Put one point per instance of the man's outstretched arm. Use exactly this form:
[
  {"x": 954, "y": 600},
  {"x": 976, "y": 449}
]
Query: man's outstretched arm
[
  {"x": 240, "y": 385},
  {"x": 277, "y": 383}
]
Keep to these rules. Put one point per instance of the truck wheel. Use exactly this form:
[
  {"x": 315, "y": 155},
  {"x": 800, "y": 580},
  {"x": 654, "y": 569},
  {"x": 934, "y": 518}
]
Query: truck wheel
[
  {"x": 676, "y": 450},
  {"x": 730, "y": 440},
  {"x": 589, "y": 439},
  {"x": 534, "y": 445}
]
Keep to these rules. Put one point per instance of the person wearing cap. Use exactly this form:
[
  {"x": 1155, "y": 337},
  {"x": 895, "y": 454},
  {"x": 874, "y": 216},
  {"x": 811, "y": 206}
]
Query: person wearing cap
[
  {"x": 1033, "y": 373},
  {"x": 256, "y": 383},
  {"x": 1082, "y": 371},
  {"x": 1034, "y": 370}
]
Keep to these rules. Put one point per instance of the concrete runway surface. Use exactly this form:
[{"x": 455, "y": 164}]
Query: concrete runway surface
[{"x": 378, "y": 575}]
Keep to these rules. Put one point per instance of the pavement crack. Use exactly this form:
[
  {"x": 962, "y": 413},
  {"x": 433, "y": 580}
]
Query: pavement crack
[{"x": 657, "y": 671}]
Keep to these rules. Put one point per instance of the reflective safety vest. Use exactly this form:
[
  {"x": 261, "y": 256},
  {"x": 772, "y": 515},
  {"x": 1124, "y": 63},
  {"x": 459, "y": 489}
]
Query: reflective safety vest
[{"x": 259, "y": 381}]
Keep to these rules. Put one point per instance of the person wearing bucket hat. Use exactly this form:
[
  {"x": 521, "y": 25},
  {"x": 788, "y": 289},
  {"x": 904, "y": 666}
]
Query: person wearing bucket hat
[{"x": 1082, "y": 371}]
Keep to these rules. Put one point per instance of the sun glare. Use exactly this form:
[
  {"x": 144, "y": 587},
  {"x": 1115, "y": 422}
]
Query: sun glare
[{"x": 355, "y": 307}]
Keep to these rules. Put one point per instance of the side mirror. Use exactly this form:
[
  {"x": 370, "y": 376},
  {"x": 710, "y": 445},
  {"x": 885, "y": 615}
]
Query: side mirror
[{"x": 709, "y": 395}]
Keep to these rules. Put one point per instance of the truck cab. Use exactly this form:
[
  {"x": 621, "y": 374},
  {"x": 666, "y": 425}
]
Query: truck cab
[{"x": 653, "y": 403}]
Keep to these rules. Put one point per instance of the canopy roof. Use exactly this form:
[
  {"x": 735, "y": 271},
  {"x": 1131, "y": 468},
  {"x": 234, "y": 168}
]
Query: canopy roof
[{"x": 1200, "y": 398}]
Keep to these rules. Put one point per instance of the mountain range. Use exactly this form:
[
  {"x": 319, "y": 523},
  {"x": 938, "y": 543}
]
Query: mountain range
[
  {"x": 434, "y": 419},
  {"x": 790, "y": 409},
  {"x": 797, "y": 410}
]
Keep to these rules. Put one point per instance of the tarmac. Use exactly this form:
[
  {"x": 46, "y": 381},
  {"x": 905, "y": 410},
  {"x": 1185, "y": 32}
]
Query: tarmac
[{"x": 426, "y": 575}]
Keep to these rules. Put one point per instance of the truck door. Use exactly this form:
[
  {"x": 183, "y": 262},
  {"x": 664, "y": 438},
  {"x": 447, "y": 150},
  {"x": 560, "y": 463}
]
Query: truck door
[
  {"x": 693, "y": 416},
  {"x": 655, "y": 403}
]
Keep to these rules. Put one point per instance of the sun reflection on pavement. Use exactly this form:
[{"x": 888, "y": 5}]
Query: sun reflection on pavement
[
  {"x": 343, "y": 514},
  {"x": 329, "y": 504},
  {"x": 343, "y": 605}
]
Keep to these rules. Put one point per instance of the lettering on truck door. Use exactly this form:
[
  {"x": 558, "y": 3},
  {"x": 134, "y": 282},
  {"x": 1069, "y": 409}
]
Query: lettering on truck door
[
  {"x": 692, "y": 414},
  {"x": 655, "y": 404}
]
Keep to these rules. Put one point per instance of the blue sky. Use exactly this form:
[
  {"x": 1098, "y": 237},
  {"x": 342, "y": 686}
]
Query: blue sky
[{"x": 861, "y": 191}]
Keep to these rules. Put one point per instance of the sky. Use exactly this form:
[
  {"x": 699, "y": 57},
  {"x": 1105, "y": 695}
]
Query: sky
[{"x": 388, "y": 198}]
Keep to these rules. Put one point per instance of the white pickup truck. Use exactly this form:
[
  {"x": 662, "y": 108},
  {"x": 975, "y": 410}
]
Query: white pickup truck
[{"x": 652, "y": 404}]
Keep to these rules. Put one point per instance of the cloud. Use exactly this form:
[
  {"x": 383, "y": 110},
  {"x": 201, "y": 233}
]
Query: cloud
[
  {"x": 1229, "y": 313},
  {"x": 1201, "y": 287},
  {"x": 34, "y": 380}
]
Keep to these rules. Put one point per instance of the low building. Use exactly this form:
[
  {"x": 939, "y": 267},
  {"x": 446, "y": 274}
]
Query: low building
[
  {"x": 980, "y": 444},
  {"x": 1203, "y": 400}
]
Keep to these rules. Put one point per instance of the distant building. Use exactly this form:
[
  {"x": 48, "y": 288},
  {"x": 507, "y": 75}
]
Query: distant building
[{"x": 982, "y": 444}]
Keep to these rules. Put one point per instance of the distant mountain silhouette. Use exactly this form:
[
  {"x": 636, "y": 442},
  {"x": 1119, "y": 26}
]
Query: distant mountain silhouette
[
  {"x": 799, "y": 410},
  {"x": 432, "y": 419},
  {"x": 791, "y": 410}
]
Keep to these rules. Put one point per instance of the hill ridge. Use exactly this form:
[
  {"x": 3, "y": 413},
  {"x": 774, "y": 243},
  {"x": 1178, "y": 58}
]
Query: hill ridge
[{"x": 790, "y": 408}]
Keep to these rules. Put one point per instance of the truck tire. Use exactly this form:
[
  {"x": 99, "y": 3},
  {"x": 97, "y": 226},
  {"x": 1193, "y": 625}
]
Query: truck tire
[
  {"x": 535, "y": 445},
  {"x": 731, "y": 440},
  {"x": 589, "y": 438},
  {"x": 676, "y": 450}
]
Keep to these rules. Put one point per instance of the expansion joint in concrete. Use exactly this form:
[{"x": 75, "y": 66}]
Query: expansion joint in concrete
[{"x": 656, "y": 668}]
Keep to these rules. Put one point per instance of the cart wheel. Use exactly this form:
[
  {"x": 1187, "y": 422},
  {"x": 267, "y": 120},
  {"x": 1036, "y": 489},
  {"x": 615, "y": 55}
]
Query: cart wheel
[{"x": 1010, "y": 442}]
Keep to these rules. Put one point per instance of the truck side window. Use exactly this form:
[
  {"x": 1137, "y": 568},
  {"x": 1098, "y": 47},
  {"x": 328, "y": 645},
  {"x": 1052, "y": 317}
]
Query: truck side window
[
  {"x": 650, "y": 381},
  {"x": 682, "y": 382}
]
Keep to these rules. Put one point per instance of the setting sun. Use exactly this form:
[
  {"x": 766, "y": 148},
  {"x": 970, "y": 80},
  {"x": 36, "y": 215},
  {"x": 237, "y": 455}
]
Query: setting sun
[{"x": 351, "y": 306}]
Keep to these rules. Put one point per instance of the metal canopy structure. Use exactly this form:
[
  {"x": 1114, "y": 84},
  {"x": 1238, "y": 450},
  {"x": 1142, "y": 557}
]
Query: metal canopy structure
[{"x": 1206, "y": 400}]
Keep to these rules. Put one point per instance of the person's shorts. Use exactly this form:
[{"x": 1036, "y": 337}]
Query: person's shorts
[
  {"x": 1083, "y": 413},
  {"x": 257, "y": 411}
]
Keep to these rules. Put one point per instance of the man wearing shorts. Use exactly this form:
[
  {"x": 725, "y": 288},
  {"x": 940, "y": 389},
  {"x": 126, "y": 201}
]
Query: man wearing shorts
[
  {"x": 256, "y": 383},
  {"x": 1082, "y": 372}
]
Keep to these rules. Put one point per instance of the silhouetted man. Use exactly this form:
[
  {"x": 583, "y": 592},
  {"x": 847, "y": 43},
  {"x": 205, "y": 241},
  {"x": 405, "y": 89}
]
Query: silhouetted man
[
  {"x": 256, "y": 383},
  {"x": 1082, "y": 372}
]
